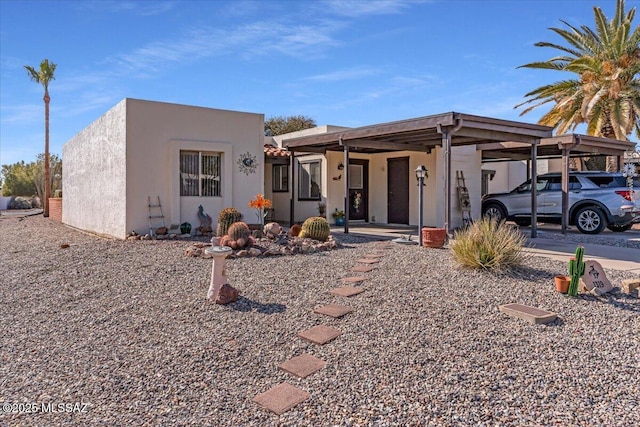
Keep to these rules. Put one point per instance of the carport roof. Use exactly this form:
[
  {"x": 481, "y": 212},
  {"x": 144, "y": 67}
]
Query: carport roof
[
  {"x": 422, "y": 134},
  {"x": 553, "y": 147}
]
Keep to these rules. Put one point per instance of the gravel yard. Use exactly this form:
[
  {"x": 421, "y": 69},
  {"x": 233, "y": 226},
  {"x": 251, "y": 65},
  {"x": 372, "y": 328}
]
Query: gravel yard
[{"x": 124, "y": 327}]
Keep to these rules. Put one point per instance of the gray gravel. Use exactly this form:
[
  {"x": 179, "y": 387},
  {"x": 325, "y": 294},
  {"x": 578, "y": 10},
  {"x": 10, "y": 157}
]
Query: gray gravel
[{"x": 123, "y": 326}]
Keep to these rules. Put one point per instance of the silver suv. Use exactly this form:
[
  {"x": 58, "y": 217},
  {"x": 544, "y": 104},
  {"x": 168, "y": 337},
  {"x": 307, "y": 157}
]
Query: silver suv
[{"x": 596, "y": 200}]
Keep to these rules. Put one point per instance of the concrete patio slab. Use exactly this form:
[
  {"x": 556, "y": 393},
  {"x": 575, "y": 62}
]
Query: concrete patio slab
[
  {"x": 302, "y": 366},
  {"x": 353, "y": 279},
  {"x": 346, "y": 291},
  {"x": 333, "y": 310},
  {"x": 530, "y": 314},
  {"x": 320, "y": 334},
  {"x": 281, "y": 398}
]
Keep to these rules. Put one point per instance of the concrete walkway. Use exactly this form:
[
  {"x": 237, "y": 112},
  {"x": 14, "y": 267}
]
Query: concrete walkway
[{"x": 613, "y": 257}]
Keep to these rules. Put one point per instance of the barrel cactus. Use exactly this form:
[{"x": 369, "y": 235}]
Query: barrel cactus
[
  {"x": 226, "y": 217},
  {"x": 238, "y": 236},
  {"x": 315, "y": 228},
  {"x": 295, "y": 230}
]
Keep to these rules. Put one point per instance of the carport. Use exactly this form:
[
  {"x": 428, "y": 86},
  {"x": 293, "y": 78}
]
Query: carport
[
  {"x": 564, "y": 146},
  {"x": 422, "y": 134}
]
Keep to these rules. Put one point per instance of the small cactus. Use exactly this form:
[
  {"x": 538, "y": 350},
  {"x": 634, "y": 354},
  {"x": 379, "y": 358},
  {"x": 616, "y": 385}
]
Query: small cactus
[
  {"x": 226, "y": 217},
  {"x": 295, "y": 230},
  {"x": 238, "y": 236},
  {"x": 315, "y": 228},
  {"x": 576, "y": 270}
]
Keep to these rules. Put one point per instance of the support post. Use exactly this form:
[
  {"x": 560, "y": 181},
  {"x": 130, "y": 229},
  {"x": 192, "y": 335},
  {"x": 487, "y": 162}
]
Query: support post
[
  {"x": 347, "y": 178},
  {"x": 566, "y": 153},
  {"x": 534, "y": 190}
]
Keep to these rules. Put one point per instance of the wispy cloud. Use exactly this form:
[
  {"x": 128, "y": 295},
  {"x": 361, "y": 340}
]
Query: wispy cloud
[
  {"x": 357, "y": 8},
  {"x": 146, "y": 8},
  {"x": 21, "y": 113},
  {"x": 347, "y": 74},
  {"x": 256, "y": 39}
]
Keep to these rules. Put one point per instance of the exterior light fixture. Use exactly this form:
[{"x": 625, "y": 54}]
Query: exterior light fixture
[{"x": 421, "y": 174}]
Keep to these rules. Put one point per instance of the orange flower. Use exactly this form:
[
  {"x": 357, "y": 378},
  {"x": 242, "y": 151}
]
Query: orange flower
[{"x": 260, "y": 202}]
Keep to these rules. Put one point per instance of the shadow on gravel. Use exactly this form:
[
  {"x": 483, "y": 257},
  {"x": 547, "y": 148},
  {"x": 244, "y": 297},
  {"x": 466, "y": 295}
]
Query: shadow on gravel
[
  {"x": 617, "y": 299},
  {"x": 246, "y": 305}
]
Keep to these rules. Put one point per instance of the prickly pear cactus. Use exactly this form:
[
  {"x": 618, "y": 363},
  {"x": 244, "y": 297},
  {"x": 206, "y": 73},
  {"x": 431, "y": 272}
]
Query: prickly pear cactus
[
  {"x": 316, "y": 228},
  {"x": 226, "y": 217}
]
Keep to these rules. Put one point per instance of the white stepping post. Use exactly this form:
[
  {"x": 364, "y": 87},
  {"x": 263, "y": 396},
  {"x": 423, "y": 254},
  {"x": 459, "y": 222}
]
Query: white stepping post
[{"x": 218, "y": 273}]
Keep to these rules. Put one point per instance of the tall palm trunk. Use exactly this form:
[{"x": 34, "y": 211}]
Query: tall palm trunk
[{"x": 47, "y": 172}]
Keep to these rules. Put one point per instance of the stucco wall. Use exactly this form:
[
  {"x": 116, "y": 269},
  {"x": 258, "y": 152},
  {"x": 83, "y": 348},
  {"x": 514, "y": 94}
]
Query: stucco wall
[
  {"x": 156, "y": 132},
  {"x": 133, "y": 152},
  {"x": 465, "y": 159},
  {"x": 94, "y": 176}
]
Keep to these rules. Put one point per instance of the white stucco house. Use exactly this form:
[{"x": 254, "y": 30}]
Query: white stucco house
[
  {"x": 191, "y": 156},
  {"x": 139, "y": 150}
]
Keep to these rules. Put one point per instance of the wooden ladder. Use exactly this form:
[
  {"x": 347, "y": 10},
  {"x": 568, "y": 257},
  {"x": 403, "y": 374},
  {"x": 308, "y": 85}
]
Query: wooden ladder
[
  {"x": 155, "y": 215},
  {"x": 463, "y": 198}
]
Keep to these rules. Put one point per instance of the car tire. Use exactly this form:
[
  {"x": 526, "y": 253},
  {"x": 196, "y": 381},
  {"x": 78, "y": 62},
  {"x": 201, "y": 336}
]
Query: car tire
[
  {"x": 523, "y": 222},
  {"x": 617, "y": 228},
  {"x": 494, "y": 210},
  {"x": 590, "y": 220}
]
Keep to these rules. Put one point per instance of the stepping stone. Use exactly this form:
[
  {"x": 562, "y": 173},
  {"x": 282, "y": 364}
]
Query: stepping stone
[
  {"x": 333, "y": 310},
  {"x": 354, "y": 279},
  {"x": 281, "y": 398},
  {"x": 346, "y": 291},
  {"x": 302, "y": 366},
  {"x": 368, "y": 260},
  {"x": 530, "y": 314},
  {"x": 320, "y": 334},
  {"x": 362, "y": 269},
  {"x": 374, "y": 255}
]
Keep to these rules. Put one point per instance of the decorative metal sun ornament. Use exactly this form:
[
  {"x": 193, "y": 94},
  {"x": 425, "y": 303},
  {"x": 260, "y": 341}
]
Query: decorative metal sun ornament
[{"x": 247, "y": 163}]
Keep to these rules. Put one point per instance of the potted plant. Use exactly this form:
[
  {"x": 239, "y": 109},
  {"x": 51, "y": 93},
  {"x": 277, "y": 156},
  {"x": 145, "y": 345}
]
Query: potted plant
[
  {"x": 338, "y": 216},
  {"x": 562, "y": 283}
]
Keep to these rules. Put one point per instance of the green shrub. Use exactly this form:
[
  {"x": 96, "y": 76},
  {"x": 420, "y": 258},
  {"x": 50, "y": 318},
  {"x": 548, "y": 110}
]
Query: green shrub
[{"x": 489, "y": 245}]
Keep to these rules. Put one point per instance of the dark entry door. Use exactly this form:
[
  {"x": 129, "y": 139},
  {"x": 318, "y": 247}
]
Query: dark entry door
[
  {"x": 358, "y": 189},
  {"x": 398, "y": 190}
]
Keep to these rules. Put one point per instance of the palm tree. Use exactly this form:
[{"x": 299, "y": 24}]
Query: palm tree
[
  {"x": 606, "y": 91},
  {"x": 44, "y": 76}
]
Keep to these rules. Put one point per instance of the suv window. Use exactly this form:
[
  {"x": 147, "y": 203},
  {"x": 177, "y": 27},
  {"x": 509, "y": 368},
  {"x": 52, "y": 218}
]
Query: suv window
[
  {"x": 542, "y": 184},
  {"x": 555, "y": 183},
  {"x": 607, "y": 181}
]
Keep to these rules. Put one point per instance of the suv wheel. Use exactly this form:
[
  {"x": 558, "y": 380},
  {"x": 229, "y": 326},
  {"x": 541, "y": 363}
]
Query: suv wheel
[
  {"x": 590, "y": 220},
  {"x": 495, "y": 211},
  {"x": 617, "y": 228}
]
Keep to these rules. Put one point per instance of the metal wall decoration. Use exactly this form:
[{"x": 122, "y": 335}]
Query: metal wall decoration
[{"x": 247, "y": 163}]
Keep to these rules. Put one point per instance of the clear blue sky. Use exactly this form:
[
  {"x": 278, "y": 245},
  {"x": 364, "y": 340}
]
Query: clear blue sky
[{"x": 349, "y": 63}]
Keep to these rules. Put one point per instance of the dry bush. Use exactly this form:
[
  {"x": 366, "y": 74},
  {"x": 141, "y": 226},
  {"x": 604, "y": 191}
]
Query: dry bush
[{"x": 489, "y": 245}]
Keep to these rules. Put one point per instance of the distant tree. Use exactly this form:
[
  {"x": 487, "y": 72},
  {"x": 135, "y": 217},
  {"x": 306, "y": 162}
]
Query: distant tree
[
  {"x": 279, "y": 125},
  {"x": 43, "y": 76},
  {"x": 606, "y": 91},
  {"x": 27, "y": 179}
]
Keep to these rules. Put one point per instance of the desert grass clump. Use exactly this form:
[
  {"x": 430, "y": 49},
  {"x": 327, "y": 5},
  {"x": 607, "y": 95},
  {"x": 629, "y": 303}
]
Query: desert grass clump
[{"x": 489, "y": 245}]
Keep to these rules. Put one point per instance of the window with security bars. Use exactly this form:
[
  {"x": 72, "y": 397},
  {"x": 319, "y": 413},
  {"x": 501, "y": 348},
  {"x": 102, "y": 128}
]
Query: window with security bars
[{"x": 199, "y": 174}]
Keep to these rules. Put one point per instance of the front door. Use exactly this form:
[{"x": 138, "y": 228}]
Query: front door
[
  {"x": 398, "y": 190},
  {"x": 358, "y": 189}
]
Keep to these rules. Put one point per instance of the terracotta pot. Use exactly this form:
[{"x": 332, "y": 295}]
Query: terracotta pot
[
  {"x": 562, "y": 283},
  {"x": 433, "y": 237}
]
